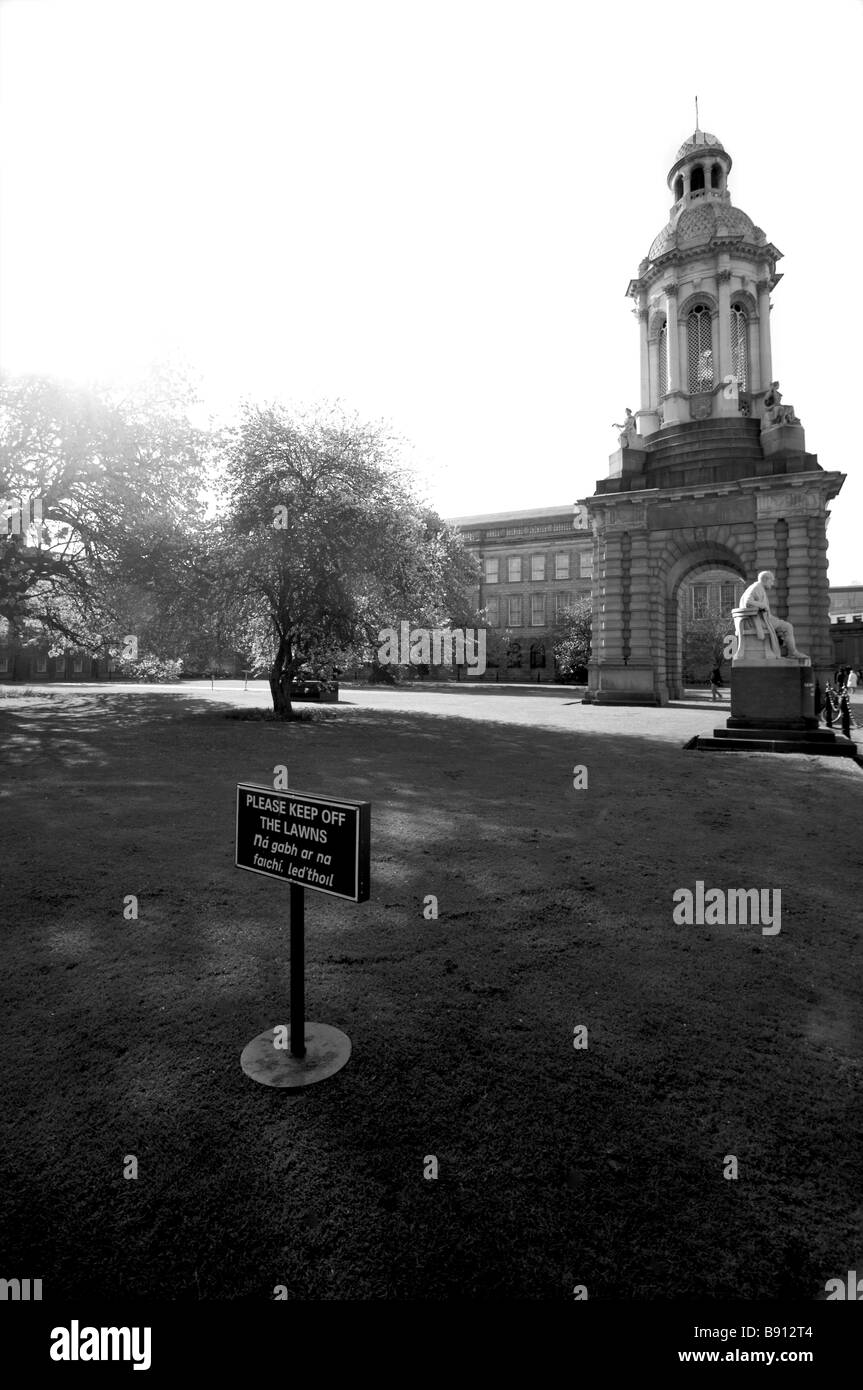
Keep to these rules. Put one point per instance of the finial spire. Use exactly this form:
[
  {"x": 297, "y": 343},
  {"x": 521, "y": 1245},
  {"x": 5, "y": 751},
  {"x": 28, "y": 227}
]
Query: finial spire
[{"x": 696, "y": 113}]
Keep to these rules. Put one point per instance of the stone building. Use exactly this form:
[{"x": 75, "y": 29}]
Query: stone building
[
  {"x": 712, "y": 471},
  {"x": 846, "y": 625},
  {"x": 534, "y": 563}
]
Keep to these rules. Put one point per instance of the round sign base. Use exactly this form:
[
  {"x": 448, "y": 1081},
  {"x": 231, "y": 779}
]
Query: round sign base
[{"x": 327, "y": 1050}]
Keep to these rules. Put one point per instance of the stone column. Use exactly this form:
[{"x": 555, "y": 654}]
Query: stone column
[
  {"x": 754, "y": 369},
  {"x": 765, "y": 362},
  {"x": 653, "y": 372},
  {"x": 723, "y": 278},
  {"x": 672, "y": 338},
  {"x": 820, "y": 646},
  {"x": 641, "y": 652},
  {"x": 645, "y": 360},
  {"x": 683, "y": 354},
  {"x": 798, "y": 579}
]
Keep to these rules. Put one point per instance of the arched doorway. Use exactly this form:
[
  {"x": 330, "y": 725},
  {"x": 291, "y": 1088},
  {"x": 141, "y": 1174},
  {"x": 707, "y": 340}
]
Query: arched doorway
[
  {"x": 706, "y": 598},
  {"x": 718, "y": 571}
]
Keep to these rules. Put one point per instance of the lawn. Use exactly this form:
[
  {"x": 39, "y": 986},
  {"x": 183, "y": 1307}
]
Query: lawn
[{"x": 557, "y": 1166}]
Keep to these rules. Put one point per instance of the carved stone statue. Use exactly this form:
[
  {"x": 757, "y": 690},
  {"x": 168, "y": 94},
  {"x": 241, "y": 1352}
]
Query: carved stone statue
[
  {"x": 629, "y": 430},
  {"x": 761, "y": 636},
  {"x": 775, "y": 413}
]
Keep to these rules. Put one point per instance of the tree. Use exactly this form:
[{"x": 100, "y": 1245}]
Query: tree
[
  {"x": 118, "y": 479},
  {"x": 325, "y": 543},
  {"x": 571, "y": 638},
  {"x": 703, "y": 643}
]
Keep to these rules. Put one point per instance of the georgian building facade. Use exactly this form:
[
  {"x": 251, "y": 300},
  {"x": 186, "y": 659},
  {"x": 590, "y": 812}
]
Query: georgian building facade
[{"x": 534, "y": 564}]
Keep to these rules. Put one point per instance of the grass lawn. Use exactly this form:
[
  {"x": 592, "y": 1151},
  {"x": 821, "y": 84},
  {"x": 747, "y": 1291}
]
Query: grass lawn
[{"x": 557, "y": 1166}]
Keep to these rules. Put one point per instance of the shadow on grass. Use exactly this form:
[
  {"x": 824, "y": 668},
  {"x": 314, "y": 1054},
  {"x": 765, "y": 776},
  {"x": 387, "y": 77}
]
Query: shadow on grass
[{"x": 556, "y": 1165}]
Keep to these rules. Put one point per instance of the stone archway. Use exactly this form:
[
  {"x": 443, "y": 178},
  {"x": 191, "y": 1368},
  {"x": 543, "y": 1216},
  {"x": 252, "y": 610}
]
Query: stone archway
[
  {"x": 713, "y": 556},
  {"x": 704, "y": 496}
]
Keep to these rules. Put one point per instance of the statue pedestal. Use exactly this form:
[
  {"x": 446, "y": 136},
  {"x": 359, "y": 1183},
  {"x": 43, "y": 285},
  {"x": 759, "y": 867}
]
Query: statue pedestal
[
  {"x": 778, "y": 694},
  {"x": 773, "y": 711},
  {"x": 782, "y": 439},
  {"x": 625, "y": 462}
]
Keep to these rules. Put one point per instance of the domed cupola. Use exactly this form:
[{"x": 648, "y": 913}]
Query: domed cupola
[{"x": 703, "y": 298}]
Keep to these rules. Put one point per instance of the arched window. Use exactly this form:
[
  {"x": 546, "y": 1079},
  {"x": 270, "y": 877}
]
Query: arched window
[
  {"x": 537, "y": 655},
  {"x": 700, "y": 349},
  {"x": 513, "y": 654},
  {"x": 678, "y": 188},
  {"x": 715, "y": 176},
  {"x": 663, "y": 360},
  {"x": 696, "y": 182},
  {"x": 739, "y": 346}
]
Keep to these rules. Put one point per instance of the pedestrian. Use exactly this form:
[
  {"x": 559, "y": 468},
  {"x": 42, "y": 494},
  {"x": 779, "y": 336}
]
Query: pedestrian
[
  {"x": 851, "y": 681},
  {"x": 715, "y": 682}
]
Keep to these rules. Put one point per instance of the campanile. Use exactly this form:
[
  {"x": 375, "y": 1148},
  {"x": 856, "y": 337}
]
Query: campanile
[{"x": 712, "y": 469}]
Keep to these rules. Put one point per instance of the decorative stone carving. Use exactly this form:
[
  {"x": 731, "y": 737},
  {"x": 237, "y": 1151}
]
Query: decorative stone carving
[
  {"x": 760, "y": 636},
  {"x": 775, "y": 413},
  {"x": 629, "y": 431},
  {"x": 799, "y": 502}
]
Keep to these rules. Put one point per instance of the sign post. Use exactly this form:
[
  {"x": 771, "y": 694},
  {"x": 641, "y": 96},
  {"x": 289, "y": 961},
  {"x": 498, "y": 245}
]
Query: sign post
[{"x": 306, "y": 841}]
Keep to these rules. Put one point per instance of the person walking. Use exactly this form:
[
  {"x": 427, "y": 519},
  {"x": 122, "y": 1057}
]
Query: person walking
[
  {"x": 715, "y": 683},
  {"x": 851, "y": 683}
]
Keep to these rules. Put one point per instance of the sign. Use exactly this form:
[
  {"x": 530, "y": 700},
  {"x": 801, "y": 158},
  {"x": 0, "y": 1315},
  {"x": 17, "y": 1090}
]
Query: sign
[{"x": 318, "y": 842}]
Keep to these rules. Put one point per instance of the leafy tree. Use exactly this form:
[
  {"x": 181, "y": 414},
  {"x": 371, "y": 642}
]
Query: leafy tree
[
  {"x": 703, "y": 643},
  {"x": 325, "y": 543},
  {"x": 571, "y": 637},
  {"x": 118, "y": 479}
]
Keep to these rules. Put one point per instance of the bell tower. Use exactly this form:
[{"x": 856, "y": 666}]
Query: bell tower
[
  {"x": 702, "y": 298},
  {"x": 712, "y": 471}
]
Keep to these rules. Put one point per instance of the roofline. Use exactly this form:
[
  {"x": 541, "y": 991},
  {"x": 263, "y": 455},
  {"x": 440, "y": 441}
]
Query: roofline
[{"x": 510, "y": 516}]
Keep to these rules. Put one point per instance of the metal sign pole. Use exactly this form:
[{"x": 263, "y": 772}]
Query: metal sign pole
[{"x": 298, "y": 971}]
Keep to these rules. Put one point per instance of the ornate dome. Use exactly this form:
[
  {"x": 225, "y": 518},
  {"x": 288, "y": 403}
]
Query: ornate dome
[
  {"x": 699, "y": 139},
  {"x": 698, "y": 226}
]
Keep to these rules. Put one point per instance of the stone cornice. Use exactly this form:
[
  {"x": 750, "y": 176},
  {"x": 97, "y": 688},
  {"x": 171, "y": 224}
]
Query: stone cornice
[{"x": 734, "y": 246}]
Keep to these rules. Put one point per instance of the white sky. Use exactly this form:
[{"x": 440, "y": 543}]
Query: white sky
[{"x": 428, "y": 210}]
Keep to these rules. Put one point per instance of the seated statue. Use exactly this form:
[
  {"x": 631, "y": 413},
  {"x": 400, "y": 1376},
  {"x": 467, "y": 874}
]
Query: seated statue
[
  {"x": 761, "y": 636},
  {"x": 629, "y": 429},
  {"x": 775, "y": 413}
]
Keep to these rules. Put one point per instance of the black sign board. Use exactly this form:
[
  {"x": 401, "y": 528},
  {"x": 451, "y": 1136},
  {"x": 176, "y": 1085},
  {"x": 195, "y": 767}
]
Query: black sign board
[{"x": 319, "y": 842}]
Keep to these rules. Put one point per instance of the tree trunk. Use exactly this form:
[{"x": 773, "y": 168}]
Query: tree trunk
[{"x": 281, "y": 672}]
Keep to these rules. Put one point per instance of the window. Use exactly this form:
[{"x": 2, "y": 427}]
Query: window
[
  {"x": 700, "y": 600},
  {"x": 515, "y": 610},
  {"x": 586, "y": 561},
  {"x": 730, "y": 594},
  {"x": 4, "y": 664},
  {"x": 537, "y": 568},
  {"x": 77, "y": 663},
  {"x": 537, "y": 610},
  {"x": 491, "y": 570},
  {"x": 715, "y": 176},
  {"x": 696, "y": 182},
  {"x": 41, "y": 663},
  {"x": 561, "y": 566},
  {"x": 537, "y": 655},
  {"x": 493, "y": 610},
  {"x": 739, "y": 346},
  {"x": 700, "y": 349},
  {"x": 678, "y": 188},
  {"x": 562, "y": 601},
  {"x": 513, "y": 654},
  {"x": 663, "y": 360},
  {"x": 513, "y": 569}
]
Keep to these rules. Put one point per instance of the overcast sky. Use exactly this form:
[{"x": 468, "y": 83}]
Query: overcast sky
[{"x": 430, "y": 211}]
